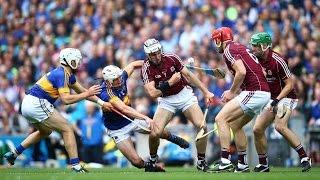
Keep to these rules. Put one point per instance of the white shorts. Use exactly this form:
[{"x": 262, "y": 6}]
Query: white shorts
[
  {"x": 181, "y": 101},
  {"x": 288, "y": 102},
  {"x": 124, "y": 133},
  {"x": 252, "y": 102},
  {"x": 36, "y": 109}
]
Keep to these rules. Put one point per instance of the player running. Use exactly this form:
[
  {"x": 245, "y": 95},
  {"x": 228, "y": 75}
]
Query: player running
[
  {"x": 279, "y": 109},
  {"x": 248, "y": 94},
  {"x": 37, "y": 106},
  {"x": 114, "y": 90},
  {"x": 162, "y": 77}
]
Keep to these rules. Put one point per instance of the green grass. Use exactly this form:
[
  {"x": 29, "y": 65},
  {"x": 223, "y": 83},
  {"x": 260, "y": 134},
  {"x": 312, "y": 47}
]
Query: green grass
[{"x": 138, "y": 174}]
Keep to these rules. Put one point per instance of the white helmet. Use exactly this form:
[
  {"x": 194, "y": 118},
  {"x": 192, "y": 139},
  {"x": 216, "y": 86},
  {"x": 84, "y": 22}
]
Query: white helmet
[
  {"x": 70, "y": 57},
  {"x": 152, "y": 46},
  {"x": 111, "y": 72}
]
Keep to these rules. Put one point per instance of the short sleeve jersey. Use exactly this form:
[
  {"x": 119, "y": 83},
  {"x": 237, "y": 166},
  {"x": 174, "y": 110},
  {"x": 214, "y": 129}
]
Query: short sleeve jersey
[
  {"x": 277, "y": 71},
  {"x": 52, "y": 84},
  {"x": 171, "y": 63},
  {"x": 254, "y": 79}
]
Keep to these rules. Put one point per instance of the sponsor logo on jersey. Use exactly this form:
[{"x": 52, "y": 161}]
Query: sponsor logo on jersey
[{"x": 164, "y": 72}]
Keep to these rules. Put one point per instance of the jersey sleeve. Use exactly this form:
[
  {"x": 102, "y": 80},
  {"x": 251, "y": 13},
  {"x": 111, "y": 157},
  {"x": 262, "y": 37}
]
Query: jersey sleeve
[
  {"x": 177, "y": 62},
  {"x": 59, "y": 80},
  {"x": 104, "y": 95},
  {"x": 147, "y": 76},
  {"x": 283, "y": 69},
  {"x": 231, "y": 54},
  {"x": 124, "y": 76}
]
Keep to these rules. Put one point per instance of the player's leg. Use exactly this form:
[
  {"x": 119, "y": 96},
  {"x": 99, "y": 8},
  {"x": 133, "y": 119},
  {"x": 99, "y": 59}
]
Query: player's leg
[
  {"x": 174, "y": 139},
  {"x": 165, "y": 134},
  {"x": 161, "y": 119},
  {"x": 241, "y": 142},
  {"x": 57, "y": 122},
  {"x": 42, "y": 131},
  {"x": 231, "y": 111},
  {"x": 281, "y": 125},
  {"x": 195, "y": 115},
  {"x": 35, "y": 110},
  {"x": 127, "y": 149},
  {"x": 260, "y": 140},
  {"x": 247, "y": 102}
]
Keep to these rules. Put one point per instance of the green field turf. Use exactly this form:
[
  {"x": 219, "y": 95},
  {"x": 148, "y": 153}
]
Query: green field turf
[{"x": 136, "y": 174}]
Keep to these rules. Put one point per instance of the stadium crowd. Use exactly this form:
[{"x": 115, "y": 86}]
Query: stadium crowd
[{"x": 112, "y": 32}]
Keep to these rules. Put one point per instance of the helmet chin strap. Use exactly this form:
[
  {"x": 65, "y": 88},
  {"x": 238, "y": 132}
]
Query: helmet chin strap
[
  {"x": 73, "y": 70},
  {"x": 264, "y": 49},
  {"x": 218, "y": 45}
]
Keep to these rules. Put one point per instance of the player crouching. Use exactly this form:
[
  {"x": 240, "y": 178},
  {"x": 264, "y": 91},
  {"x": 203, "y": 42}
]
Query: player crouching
[{"x": 114, "y": 90}]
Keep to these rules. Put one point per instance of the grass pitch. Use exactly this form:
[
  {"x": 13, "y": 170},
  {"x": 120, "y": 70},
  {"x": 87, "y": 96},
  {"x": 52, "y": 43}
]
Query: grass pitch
[{"x": 139, "y": 174}]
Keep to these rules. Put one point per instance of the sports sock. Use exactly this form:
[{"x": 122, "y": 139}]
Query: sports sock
[
  {"x": 19, "y": 149},
  {"x": 201, "y": 156},
  {"x": 171, "y": 137},
  {"x": 75, "y": 163},
  {"x": 263, "y": 159},
  {"x": 225, "y": 153},
  {"x": 153, "y": 157},
  {"x": 300, "y": 150},
  {"x": 242, "y": 157}
]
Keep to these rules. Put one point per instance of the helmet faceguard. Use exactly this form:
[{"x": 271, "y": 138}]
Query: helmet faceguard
[
  {"x": 261, "y": 39},
  {"x": 220, "y": 36},
  {"x": 260, "y": 43},
  {"x": 153, "y": 50},
  {"x": 112, "y": 76}
]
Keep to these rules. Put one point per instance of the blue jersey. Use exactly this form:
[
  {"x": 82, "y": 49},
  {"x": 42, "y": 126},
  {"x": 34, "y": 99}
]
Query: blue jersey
[
  {"x": 112, "y": 120},
  {"x": 52, "y": 84}
]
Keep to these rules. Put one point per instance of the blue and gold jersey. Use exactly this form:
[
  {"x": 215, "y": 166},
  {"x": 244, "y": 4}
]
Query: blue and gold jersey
[
  {"x": 112, "y": 120},
  {"x": 52, "y": 84}
]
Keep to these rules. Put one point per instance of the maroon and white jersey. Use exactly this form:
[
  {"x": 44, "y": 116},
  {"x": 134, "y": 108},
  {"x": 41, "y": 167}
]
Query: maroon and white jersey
[
  {"x": 277, "y": 71},
  {"x": 171, "y": 63},
  {"x": 254, "y": 79}
]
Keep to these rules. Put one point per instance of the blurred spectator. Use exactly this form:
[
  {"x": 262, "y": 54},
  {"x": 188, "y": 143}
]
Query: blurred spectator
[
  {"x": 91, "y": 133},
  {"x": 315, "y": 107}
]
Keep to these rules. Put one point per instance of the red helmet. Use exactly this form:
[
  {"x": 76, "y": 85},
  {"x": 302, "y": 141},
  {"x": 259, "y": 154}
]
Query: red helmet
[{"x": 221, "y": 35}]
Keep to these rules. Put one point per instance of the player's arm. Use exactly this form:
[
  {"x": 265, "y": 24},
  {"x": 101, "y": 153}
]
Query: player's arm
[
  {"x": 59, "y": 79},
  {"x": 194, "y": 80},
  {"x": 152, "y": 90},
  {"x": 127, "y": 110},
  {"x": 286, "y": 89},
  {"x": 240, "y": 74},
  {"x": 78, "y": 88},
  {"x": 132, "y": 66},
  {"x": 68, "y": 98},
  {"x": 286, "y": 75}
]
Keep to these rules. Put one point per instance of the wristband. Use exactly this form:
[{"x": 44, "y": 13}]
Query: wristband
[
  {"x": 100, "y": 102},
  {"x": 164, "y": 86},
  {"x": 274, "y": 102}
]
